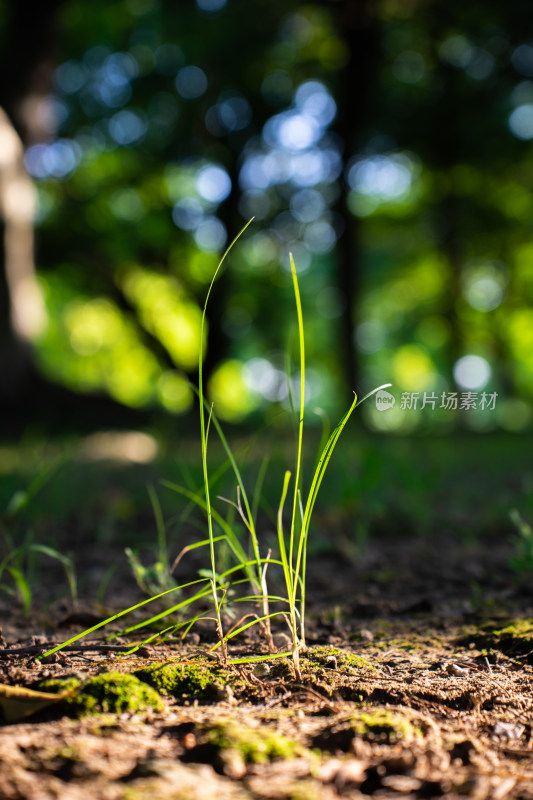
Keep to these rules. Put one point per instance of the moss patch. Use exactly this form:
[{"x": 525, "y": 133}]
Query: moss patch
[
  {"x": 194, "y": 680},
  {"x": 256, "y": 745},
  {"x": 111, "y": 692},
  {"x": 383, "y": 726},
  {"x": 230, "y": 747},
  {"x": 341, "y": 661},
  {"x": 514, "y": 637},
  {"x": 379, "y": 726}
]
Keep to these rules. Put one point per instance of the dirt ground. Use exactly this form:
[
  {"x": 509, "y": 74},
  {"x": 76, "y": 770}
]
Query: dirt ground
[{"x": 438, "y": 702}]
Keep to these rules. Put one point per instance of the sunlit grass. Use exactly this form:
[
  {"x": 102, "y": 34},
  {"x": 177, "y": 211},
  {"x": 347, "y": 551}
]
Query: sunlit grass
[{"x": 251, "y": 563}]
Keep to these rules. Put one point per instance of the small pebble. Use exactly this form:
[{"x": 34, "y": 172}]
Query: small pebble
[
  {"x": 53, "y": 658},
  {"x": 261, "y": 670},
  {"x": 455, "y": 669}
]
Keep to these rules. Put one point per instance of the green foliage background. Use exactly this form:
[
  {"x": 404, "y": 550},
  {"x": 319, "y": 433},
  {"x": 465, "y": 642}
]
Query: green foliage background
[{"x": 426, "y": 185}]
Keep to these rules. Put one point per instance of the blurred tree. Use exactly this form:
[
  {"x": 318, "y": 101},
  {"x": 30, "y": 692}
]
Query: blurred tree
[
  {"x": 386, "y": 144},
  {"x": 24, "y": 81},
  {"x": 29, "y": 38},
  {"x": 358, "y": 26}
]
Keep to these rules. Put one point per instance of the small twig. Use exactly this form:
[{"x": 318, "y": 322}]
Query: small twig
[{"x": 41, "y": 648}]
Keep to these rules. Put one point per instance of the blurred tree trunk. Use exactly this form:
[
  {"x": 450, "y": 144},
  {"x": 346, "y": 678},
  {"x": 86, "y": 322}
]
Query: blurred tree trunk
[
  {"x": 22, "y": 313},
  {"x": 24, "y": 81},
  {"x": 357, "y": 23},
  {"x": 26, "y": 396}
]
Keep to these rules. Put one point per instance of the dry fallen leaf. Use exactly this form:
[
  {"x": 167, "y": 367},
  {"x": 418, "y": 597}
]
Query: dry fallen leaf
[{"x": 17, "y": 702}]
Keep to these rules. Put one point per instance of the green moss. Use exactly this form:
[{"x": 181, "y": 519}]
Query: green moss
[
  {"x": 303, "y": 790},
  {"x": 517, "y": 629},
  {"x": 254, "y": 745},
  {"x": 344, "y": 663},
  {"x": 379, "y": 726},
  {"x": 59, "y": 685},
  {"x": 382, "y": 726},
  {"x": 196, "y": 680},
  {"x": 282, "y": 668},
  {"x": 111, "y": 692},
  {"x": 514, "y": 637}
]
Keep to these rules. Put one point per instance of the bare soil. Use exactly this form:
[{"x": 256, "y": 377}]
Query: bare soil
[{"x": 440, "y": 704}]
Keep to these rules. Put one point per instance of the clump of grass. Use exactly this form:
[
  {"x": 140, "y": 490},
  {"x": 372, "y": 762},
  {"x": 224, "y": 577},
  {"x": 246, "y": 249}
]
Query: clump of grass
[
  {"x": 522, "y": 559},
  {"x": 19, "y": 563},
  {"x": 292, "y": 545},
  {"x": 293, "y": 529}
]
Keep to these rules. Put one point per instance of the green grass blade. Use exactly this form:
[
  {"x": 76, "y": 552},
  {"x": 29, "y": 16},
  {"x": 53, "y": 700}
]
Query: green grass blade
[
  {"x": 317, "y": 480},
  {"x": 253, "y": 659},
  {"x": 21, "y": 499},
  {"x": 250, "y": 624},
  {"x": 235, "y": 467},
  {"x": 114, "y": 617},
  {"x": 162, "y": 614},
  {"x": 160, "y": 526},
  {"x": 229, "y": 534},
  {"x": 23, "y": 587},
  {"x": 373, "y": 392},
  {"x": 287, "y": 566},
  {"x": 245, "y": 564},
  {"x": 301, "y": 340},
  {"x": 67, "y": 563},
  {"x": 326, "y": 430}
]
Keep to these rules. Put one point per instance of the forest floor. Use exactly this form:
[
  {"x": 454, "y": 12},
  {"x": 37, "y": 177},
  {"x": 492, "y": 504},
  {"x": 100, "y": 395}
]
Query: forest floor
[
  {"x": 418, "y": 677},
  {"x": 413, "y": 686}
]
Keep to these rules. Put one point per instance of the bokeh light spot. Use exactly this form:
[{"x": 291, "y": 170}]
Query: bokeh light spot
[
  {"x": 127, "y": 204},
  {"x": 188, "y": 213},
  {"x": 70, "y": 76},
  {"x": 127, "y": 127},
  {"x": 320, "y": 237},
  {"x": 383, "y": 177},
  {"x": 312, "y": 99},
  {"x": 263, "y": 378},
  {"x": 210, "y": 235},
  {"x": 174, "y": 392},
  {"x": 56, "y": 160},
  {"x": 229, "y": 392},
  {"x": 191, "y": 82},
  {"x": 472, "y": 372},
  {"x": 213, "y": 184},
  {"x": 522, "y": 60},
  {"x": 413, "y": 369},
  {"x": 307, "y": 205},
  {"x": 521, "y": 122}
]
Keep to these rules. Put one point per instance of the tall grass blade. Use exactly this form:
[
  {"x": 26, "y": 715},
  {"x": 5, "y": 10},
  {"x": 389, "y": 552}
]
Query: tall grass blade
[
  {"x": 160, "y": 527},
  {"x": 203, "y": 434},
  {"x": 114, "y": 617},
  {"x": 301, "y": 341}
]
